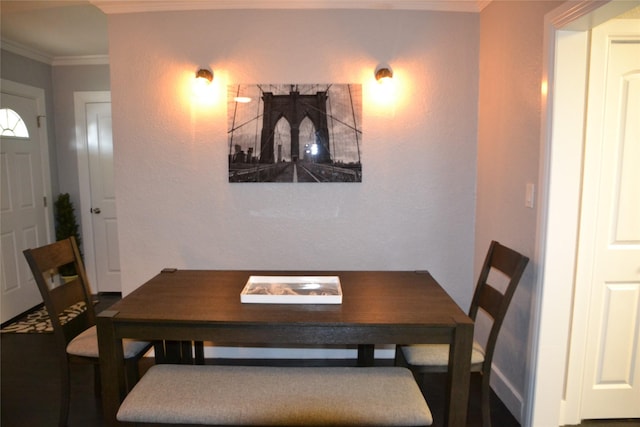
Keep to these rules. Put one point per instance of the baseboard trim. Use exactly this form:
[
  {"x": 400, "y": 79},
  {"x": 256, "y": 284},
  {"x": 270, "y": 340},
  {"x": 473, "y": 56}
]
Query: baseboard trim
[{"x": 507, "y": 393}]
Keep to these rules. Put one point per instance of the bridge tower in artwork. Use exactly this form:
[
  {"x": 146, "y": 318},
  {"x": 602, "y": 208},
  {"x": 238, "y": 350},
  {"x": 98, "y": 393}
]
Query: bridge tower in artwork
[{"x": 294, "y": 108}]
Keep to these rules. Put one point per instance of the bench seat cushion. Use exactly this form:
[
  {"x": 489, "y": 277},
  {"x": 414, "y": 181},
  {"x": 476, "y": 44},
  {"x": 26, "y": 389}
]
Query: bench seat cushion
[{"x": 254, "y": 395}]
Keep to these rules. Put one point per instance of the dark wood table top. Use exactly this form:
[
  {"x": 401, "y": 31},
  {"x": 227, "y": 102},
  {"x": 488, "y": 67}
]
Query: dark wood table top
[{"x": 394, "y": 298}]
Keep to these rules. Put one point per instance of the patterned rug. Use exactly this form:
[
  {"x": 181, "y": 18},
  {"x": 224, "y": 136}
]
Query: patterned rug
[{"x": 38, "y": 322}]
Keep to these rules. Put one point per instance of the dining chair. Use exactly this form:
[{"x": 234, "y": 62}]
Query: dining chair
[
  {"x": 432, "y": 358},
  {"x": 76, "y": 337}
]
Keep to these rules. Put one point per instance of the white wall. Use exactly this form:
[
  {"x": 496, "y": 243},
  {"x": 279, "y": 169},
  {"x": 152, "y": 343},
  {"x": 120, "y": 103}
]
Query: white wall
[{"x": 415, "y": 206}]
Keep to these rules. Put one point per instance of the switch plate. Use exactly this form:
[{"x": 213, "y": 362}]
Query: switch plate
[{"x": 529, "y": 195}]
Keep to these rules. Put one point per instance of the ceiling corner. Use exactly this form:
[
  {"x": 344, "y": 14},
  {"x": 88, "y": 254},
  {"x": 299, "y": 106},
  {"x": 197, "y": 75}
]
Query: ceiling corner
[{"x": 482, "y": 4}]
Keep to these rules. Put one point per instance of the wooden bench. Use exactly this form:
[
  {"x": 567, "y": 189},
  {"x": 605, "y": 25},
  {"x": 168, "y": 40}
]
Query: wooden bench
[{"x": 257, "y": 395}]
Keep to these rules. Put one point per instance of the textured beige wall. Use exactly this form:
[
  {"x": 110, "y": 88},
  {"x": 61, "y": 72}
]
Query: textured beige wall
[
  {"x": 415, "y": 206},
  {"x": 511, "y": 43}
]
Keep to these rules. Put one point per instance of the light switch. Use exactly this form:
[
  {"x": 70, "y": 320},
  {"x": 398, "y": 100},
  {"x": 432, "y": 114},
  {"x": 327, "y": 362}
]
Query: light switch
[{"x": 530, "y": 195}]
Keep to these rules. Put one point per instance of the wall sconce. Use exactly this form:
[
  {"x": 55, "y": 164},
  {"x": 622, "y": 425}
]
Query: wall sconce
[
  {"x": 383, "y": 74},
  {"x": 205, "y": 76}
]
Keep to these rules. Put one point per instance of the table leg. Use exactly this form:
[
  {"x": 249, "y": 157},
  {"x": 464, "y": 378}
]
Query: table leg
[
  {"x": 366, "y": 354},
  {"x": 111, "y": 367},
  {"x": 158, "y": 351},
  {"x": 198, "y": 350},
  {"x": 179, "y": 352},
  {"x": 459, "y": 373}
]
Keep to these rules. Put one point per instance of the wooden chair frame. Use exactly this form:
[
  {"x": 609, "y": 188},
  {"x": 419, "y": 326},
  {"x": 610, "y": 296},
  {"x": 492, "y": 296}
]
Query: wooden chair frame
[
  {"x": 44, "y": 263},
  {"x": 495, "y": 304}
]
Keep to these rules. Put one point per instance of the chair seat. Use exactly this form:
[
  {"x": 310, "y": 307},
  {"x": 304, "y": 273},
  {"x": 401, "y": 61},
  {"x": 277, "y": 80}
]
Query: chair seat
[
  {"x": 256, "y": 395},
  {"x": 437, "y": 354},
  {"x": 86, "y": 345}
]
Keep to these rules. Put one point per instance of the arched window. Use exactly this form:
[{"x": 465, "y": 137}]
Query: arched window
[{"x": 11, "y": 124}]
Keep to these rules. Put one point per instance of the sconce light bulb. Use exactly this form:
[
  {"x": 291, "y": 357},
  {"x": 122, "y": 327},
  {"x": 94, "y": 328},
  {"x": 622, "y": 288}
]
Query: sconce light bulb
[{"x": 203, "y": 86}]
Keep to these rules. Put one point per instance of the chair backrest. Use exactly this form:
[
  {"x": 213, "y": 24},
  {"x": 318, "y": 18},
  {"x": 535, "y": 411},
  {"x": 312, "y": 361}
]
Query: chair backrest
[
  {"x": 488, "y": 298},
  {"x": 60, "y": 296}
]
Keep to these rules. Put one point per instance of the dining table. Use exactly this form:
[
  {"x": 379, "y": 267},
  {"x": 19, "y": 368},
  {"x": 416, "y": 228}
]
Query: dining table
[{"x": 377, "y": 308}]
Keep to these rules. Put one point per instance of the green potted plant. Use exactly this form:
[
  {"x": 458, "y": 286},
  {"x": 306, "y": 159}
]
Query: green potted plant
[{"x": 66, "y": 226}]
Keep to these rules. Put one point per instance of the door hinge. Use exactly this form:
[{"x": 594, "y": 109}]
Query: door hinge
[
  {"x": 45, "y": 201},
  {"x": 38, "y": 120}
]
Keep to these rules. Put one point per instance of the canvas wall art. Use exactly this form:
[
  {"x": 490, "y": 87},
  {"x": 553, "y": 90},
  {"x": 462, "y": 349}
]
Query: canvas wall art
[{"x": 295, "y": 133}]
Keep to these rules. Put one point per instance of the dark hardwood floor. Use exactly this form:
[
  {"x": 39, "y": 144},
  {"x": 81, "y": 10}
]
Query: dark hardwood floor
[{"x": 30, "y": 386}]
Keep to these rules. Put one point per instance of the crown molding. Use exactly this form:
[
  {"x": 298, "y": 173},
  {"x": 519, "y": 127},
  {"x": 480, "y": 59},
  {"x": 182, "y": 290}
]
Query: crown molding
[
  {"x": 36, "y": 55},
  {"x": 138, "y": 6},
  {"x": 81, "y": 60},
  {"x": 26, "y": 51},
  {"x": 582, "y": 15}
]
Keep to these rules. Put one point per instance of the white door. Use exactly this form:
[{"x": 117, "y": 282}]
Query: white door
[
  {"x": 611, "y": 224},
  {"x": 24, "y": 178},
  {"x": 98, "y": 203}
]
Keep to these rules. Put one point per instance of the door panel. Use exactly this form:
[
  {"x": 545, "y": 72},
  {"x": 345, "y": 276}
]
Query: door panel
[
  {"x": 611, "y": 386},
  {"x": 626, "y": 223},
  {"x": 103, "y": 200},
  {"x": 23, "y": 212},
  {"x": 617, "y": 350}
]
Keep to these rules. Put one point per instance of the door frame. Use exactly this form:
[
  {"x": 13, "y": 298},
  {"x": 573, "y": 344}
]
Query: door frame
[
  {"x": 19, "y": 89},
  {"x": 554, "y": 381},
  {"x": 80, "y": 99}
]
